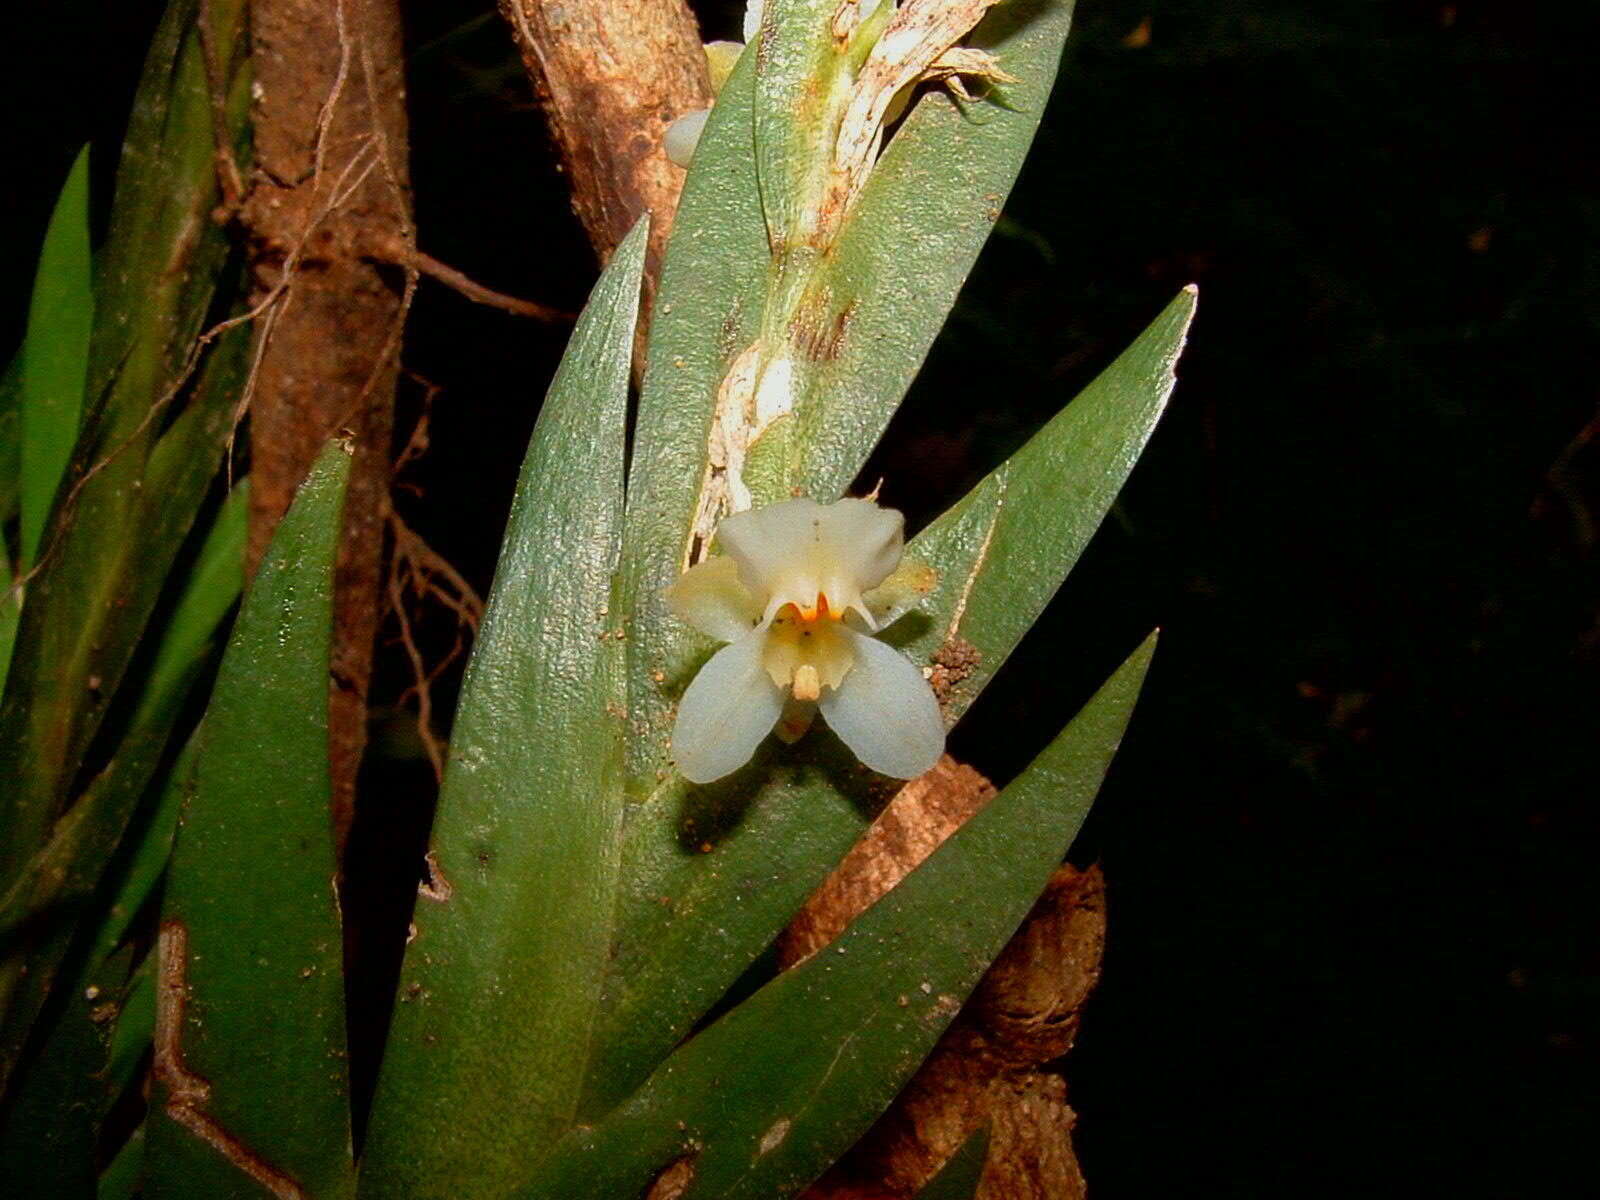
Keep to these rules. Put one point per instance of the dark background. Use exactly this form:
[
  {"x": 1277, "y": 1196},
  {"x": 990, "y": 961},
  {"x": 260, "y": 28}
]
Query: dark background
[{"x": 1350, "y": 838}]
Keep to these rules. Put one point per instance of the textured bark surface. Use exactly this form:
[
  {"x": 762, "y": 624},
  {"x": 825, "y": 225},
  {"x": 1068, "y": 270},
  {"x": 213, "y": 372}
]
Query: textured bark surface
[
  {"x": 330, "y": 185},
  {"x": 912, "y": 826},
  {"x": 989, "y": 1066},
  {"x": 612, "y": 75}
]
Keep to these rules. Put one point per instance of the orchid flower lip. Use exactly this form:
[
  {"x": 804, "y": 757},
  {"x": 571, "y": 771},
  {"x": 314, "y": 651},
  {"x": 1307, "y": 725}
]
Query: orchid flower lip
[{"x": 789, "y": 595}]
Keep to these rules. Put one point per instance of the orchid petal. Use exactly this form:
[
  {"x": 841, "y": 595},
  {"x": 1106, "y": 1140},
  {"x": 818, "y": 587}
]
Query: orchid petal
[
  {"x": 710, "y": 597},
  {"x": 885, "y": 712},
  {"x": 771, "y": 545},
  {"x": 862, "y": 540},
  {"x": 727, "y": 712},
  {"x": 793, "y": 551}
]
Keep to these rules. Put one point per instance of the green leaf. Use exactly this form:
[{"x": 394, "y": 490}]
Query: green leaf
[
  {"x": 209, "y": 594},
  {"x": 72, "y": 863},
  {"x": 55, "y": 356},
  {"x": 48, "y": 1138},
  {"x": 251, "y": 1078},
  {"x": 488, "y": 1049},
  {"x": 802, "y": 81},
  {"x": 1004, "y": 549},
  {"x": 55, "y": 890},
  {"x": 767, "y": 1097},
  {"x": 708, "y": 310},
  {"x": 97, "y": 1045},
  {"x": 145, "y": 852},
  {"x": 77, "y": 1072},
  {"x": 958, "y": 1179},
  {"x": 136, "y": 1024},
  {"x": 136, "y": 480}
]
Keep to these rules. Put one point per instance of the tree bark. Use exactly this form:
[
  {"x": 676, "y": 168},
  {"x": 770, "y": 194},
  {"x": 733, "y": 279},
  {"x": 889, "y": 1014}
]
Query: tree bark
[
  {"x": 611, "y": 76},
  {"x": 330, "y": 186}
]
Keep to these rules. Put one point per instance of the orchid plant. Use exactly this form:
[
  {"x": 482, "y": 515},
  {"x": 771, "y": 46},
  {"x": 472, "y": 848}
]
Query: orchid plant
[{"x": 583, "y": 1010}]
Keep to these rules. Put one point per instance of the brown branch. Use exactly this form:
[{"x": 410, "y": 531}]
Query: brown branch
[
  {"x": 914, "y": 824},
  {"x": 612, "y": 75},
  {"x": 417, "y": 574},
  {"x": 401, "y": 254},
  {"x": 988, "y": 1067},
  {"x": 330, "y": 178}
]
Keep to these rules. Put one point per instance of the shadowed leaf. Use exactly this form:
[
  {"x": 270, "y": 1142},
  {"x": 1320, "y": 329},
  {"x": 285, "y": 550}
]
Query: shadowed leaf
[
  {"x": 55, "y": 355},
  {"x": 57, "y": 888},
  {"x": 251, "y": 1079},
  {"x": 135, "y": 481}
]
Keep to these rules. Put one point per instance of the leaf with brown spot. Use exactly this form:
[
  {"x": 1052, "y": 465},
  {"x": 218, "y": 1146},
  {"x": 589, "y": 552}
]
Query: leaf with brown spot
[
  {"x": 1004, "y": 548},
  {"x": 252, "y": 1081}
]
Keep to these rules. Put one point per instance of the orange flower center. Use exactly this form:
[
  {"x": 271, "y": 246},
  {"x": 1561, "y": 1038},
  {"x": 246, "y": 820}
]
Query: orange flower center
[{"x": 807, "y": 649}]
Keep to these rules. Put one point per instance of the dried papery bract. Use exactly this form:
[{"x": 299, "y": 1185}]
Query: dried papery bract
[
  {"x": 919, "y": 42},
  {"x": 827, "y": 80}
]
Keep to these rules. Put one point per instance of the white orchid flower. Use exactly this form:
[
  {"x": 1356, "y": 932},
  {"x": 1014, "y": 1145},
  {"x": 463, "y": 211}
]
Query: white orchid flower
[{"x": 794, "y": 596}]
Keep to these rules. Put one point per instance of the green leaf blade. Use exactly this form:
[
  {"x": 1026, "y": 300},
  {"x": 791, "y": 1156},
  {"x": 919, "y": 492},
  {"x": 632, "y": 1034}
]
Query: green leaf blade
[
  {"x": 252, "y": 1081},
  {"x": 487, "y": 1053},
  {"x": 711, "y": 875},
  {"x": 10, "y": 440},
  {"x": 765, "y": 1099},
  {"x": 55, "y": 355},
  {"x": 800, "y": 86},
  {"x": 708, "y": 311},
  {"x": 10, "y": 615},
  {"x": 1003, "y": 550}
]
